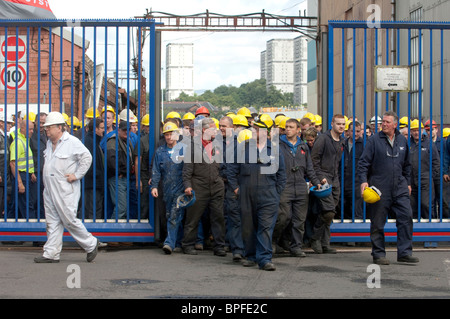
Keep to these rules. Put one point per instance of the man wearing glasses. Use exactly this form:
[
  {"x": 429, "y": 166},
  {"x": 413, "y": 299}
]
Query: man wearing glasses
[
  {"x": 385, "y": 164},
  {"x": 67, "y": 161}
]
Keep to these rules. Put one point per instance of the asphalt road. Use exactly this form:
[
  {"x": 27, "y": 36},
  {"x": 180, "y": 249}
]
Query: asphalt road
[{"x": 144, "y": 272}]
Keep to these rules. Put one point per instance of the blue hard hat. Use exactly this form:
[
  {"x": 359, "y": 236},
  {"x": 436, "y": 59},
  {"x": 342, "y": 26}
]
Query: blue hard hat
[
  {"x": 323, "y": 192},
  {"x": 184, "y": 201}
]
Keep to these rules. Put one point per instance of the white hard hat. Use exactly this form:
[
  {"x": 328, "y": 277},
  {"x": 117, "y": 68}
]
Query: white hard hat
[
  {"x": 372, "y": 120},
  {"x": 9, "y": 119},
  {"x": 54, "y": 118},
  {"x": 123, "y": 116}
]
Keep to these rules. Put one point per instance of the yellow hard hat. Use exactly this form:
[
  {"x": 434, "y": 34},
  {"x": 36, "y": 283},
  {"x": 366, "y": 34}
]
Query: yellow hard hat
[
  {"x": 404, "y": 122},
  {"x": 146, "y": 120},
  {"x": 264, "y": 121},
  {"x": 318, "y": 120},
  {"x": 240, "y": 120},
  {"x": 310, "y": 116},
  {"x": 446, "y": 132},
  {"x": 230, "y": 113},
  {"x": 109, "y": 108},
  {"x": 173, "y": 115},
  {"x": 90, "y": 113},
  {"x": 170, "y": 127},
  {"x": 347, "y": 124},
  {"x": 244, "y": 135},
  {"x": 371, "y": 195},
  {"x": 245, "y": 111},
  {"x": 216, "y": 121},
  {"x": 279, "y": 119},
  {"x": 76, "y": 122},
  {"x": 346, "y": 118},
  {"x": 66, "y": 117},
  {"x": 415, "y": 125},
  {"x": 30, "y": 116},
  {"x": 283, "y": 123},
  {"x": 189, "y": 116}
]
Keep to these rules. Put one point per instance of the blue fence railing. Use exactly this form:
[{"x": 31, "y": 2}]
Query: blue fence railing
[
  {"x": 93, "y": 71},
  {"x": 359, "y": 48}
]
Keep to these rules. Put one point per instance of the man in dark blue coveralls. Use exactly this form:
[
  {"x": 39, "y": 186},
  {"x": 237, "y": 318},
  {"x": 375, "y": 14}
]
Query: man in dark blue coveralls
[
  {"x": 258, "y": 182},
  {"x": 385, "y": 164}
]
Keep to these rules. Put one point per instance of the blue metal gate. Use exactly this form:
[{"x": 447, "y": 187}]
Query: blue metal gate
[
  {"x": 76, "y": 67},
  {"x": 359, "y": 48}
]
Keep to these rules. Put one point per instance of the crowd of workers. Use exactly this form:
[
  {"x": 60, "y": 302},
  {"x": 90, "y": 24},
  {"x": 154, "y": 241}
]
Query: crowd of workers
[{"x": 241, "y": 203}]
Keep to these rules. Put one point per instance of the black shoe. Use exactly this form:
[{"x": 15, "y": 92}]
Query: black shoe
[
  {"x": 248, "y": 263},
  {"x": 328, "y": 250},
  {"x": 237, "y": 257},
  {"x": 91, "y": 256},
  {"x": 269, "y": 267},
  {"x": 381, "y": 261},
  {"x": 43, "y": 260},
  {"x": 189, "y": 251},
  {"x": 298, "y": 253},
  {"x": 167, "y": 250},
  {"x": 408, "y": 259},
  {"x": 316, "y": 246},
  {"x": 220, "y": 252}
]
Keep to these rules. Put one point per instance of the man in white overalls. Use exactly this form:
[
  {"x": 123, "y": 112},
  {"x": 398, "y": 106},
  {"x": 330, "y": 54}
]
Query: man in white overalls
[{"x": 66, "y": 162}]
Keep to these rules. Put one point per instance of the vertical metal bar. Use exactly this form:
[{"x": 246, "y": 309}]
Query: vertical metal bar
[
  {"x": 343, "y": 113},
  {"x": 365, "y": 105},
  {"x": 152, "y": 109},
  {"x": 398, "y": 63},
  {"x": 353, "y": 125},
  {"x": 83, "y": 130},
  {"x": 50, "y": 71},
  {"x": 38, "y": 211},
  {"x": 61, "y": 74},
  {"x": 409, "y": 93},
  {"x": 94, "y": 144},
  {"x": 441, "y": 185},
  {"x": 387, "y": 63},
  {"x": 420, "y": 128},
  {"x": 5, "y": 167},
  {"x": 430, "y": 171},
  {"x": 72, "y": 81},
  {"x": 138, "y": 168},
  {"x": 376, "y": 94},
  {"x": 330, "y": 73}
]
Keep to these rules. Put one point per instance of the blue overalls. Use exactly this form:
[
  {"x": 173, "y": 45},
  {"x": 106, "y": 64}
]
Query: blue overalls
[
  {"x": 259, "y": 194},
  {"x": 389, "y": 169},
  {"x": 170, "y": 173}
]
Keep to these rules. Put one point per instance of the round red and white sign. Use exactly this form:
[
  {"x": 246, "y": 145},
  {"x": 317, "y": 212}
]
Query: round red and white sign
[
  {"x": 14, "y": 48},
  {"x": 13, "y": 77}
]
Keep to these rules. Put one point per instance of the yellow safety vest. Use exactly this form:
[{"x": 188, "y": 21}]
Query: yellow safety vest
[{"x": 23, "y": 163}]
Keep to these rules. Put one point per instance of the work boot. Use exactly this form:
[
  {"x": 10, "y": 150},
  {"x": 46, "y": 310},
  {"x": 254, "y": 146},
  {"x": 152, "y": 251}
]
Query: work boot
[
  {"x": 220, "y": 252},
  {"x": 43, "y": 260},
  {"x": 91, "y": 256},
  {"x": 248, "y": 263},
  {"x": 298, "y": 253},
  {"x": 167, "y": 250},
  {"x": 408, "y": 259},
  {"x": 269, "y": 267},
  {"x": 328, "y": 250},
  {"x": 316, "y": 246},
  {"x": 189, "y": 251},
  {"x": 237, "y": 257},
  {"x": 381, "y": 261}
]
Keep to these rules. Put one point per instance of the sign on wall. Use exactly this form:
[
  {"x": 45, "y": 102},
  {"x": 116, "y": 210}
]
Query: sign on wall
[
  {"x": 392, "y": 78},
  {"x": 13, "y": 58}
]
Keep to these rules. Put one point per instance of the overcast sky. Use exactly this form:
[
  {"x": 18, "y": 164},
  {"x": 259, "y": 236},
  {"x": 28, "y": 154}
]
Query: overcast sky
[{"x": 229, "y": 58}]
